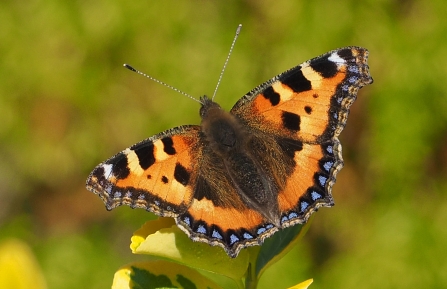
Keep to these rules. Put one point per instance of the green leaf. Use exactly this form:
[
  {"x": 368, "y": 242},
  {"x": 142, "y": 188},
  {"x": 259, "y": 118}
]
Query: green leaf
[
  {"x": 164, "y": 239},
  {"x": 160, "y": 274},
  {"x": 275, "y": 247}
]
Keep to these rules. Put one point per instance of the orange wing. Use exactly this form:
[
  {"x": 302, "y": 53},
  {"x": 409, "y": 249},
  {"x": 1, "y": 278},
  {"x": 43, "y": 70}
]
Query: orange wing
[
  {"x": 156, "y": 174},
  {"x": 309, "y": 105}
]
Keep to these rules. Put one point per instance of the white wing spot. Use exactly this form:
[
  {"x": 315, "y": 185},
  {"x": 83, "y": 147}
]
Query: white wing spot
[
  {"x": 335, "y": 58},
  {"x": 107, "y": 170}
]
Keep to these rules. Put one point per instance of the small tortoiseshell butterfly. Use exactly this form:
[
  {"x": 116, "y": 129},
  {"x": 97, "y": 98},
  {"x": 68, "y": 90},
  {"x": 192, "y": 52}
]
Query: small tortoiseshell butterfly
[{"x": 240, "y": 176}]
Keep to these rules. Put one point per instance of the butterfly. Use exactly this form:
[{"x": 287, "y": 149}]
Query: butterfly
[{"x": 240, "y": 176}]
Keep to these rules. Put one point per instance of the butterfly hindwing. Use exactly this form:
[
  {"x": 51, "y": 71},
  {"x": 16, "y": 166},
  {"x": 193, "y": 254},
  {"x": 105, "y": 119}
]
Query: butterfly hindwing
[{"x": 226, "y": 226}]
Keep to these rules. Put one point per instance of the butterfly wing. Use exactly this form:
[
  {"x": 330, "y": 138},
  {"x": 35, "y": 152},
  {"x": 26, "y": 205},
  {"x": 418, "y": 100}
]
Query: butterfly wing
[
  {"x": 156, "y": 174},
  {"x": 304, "y": 110}
]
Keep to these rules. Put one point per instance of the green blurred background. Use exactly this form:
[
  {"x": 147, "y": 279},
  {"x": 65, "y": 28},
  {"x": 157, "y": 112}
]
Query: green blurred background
[{"x": 66, "y": 104}]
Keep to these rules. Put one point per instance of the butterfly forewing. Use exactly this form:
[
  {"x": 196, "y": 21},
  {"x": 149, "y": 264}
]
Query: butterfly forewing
[{"x": 156, "y": 174}]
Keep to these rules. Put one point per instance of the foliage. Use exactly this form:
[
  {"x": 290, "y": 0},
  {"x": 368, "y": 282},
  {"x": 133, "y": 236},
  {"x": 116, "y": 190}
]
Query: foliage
[{"x": 162, "y": 238}]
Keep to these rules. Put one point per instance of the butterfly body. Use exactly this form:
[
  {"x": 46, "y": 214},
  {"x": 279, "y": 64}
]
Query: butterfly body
[
  {"x": 242, "y": 175},
  {"x": 235, "y": 154}
]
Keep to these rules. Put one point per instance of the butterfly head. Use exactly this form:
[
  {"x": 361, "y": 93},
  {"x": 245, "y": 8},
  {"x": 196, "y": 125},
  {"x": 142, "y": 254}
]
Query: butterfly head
[{"x": 208, "y": 107}]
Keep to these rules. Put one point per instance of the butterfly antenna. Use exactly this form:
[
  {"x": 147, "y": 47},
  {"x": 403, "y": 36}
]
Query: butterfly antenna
[
  {"x": 161, "y": 82},
  {"x": 238, "y": 30}
]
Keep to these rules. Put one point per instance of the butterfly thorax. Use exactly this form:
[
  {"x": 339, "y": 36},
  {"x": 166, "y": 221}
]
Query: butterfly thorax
[
  {"x": 231, "y": 144},
  {"x": 222, "y": 130}
]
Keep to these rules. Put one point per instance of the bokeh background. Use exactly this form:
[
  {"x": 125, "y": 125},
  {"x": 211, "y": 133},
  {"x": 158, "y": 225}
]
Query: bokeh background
[{"x": 66, "y": 104}]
